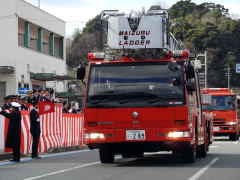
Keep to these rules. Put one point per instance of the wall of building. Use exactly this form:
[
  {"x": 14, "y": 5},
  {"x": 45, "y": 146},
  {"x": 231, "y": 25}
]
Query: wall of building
[
  {"x": 26, "y": 60},
  {"x": 32, "y": 61},
  {"x": 8, "y": 26}
]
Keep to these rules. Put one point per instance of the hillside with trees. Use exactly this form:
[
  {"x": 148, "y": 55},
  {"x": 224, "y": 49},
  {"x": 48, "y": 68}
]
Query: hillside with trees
[{"x": 199, "y": 27}]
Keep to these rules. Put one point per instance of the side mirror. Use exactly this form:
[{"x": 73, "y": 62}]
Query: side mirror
[
  {"x": 81, "y": 72},
  {"x": 191, "y": 86},
  {"x": 173, "y": 66}
]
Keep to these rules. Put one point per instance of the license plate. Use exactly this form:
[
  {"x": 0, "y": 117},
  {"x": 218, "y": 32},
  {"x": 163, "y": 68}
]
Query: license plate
[
  {"x": 135, "y": 135},
  {"x": 215, "y": 128}
]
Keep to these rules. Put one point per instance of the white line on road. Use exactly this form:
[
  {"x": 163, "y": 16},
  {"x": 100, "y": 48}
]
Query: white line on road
[
  {"x": 62, "y": 171},
  {"x": 65, "y": 170},
  {"x": 211, "y": 147},
  {"x": 45, "y": 156},
  {"x": 203, "y": 170}
]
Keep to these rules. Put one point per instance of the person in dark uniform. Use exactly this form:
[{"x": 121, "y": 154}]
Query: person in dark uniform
[
  {"x": 65, "y": 107},
  {"x": 35, "y": 96},
  {"x": 24, "y": 104},
  {"x": 35, "y": 129},
  {"x": 13, "y": 98},
  {"x": 19, "y": 99},
  {"x": 46, "y": 97},
  {"x": 29, "y": 96},
  {"x": 51, "y": 95},
  {"x": 6, "y": 105},
  {"x": 14, "y": 130},
  {"x": 40, "y": 94}
]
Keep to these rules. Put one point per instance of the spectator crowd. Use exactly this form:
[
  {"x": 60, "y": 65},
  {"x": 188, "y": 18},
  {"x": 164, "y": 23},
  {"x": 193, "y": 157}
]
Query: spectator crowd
[
  {"x": 36, "y": 96},
  {"x": 11, "y": 109}
]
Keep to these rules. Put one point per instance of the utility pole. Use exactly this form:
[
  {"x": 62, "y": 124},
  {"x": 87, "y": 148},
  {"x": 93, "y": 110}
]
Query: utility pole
[{"x": 205, "y": 56}]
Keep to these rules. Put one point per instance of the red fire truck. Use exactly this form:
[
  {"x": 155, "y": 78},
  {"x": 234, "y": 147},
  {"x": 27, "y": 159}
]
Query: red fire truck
[
  {"x": 223, "y": 105},
  {"x": 143, "y": 97}
]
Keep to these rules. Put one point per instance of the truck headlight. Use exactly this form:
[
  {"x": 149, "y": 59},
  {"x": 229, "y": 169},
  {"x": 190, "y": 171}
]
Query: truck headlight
[
  {"x": 231, "y": 123},
  {"x": 178, "y": 134},
  {"x": 94, "y": 136}
]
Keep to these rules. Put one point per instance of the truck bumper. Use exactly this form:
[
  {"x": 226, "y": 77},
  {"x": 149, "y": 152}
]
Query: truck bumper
[
  {"x": 224, "y": 130},
  {"x": 143, "y": 146},
  {"x": 155, "y": 140}
]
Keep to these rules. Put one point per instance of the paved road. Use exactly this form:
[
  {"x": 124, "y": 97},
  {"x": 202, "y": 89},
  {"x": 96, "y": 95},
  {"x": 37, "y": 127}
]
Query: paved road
[{"x": 222, "y": 163}]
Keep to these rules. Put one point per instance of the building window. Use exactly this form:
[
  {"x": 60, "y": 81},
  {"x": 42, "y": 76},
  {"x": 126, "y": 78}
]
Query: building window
[
  {"x": 58, "y": 45},
  {"x": 39, "y": 39},
  {"x": 25, "y": 85},
  {"x": 46, "y": 37},
  {"x": 33, "y": 36},
  {"x": 26, "y": 34},
  {"x": 51, "y": 44},
  {"x": 21, "y": 32}
]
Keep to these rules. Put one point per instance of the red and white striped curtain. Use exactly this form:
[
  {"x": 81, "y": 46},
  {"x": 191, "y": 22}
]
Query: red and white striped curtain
[{"x": 57, "y": 130}]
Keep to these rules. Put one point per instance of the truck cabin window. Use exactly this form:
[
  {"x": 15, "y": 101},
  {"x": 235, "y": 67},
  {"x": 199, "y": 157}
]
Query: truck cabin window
[
  {"x": 134, "y": 85},
  {"x": 221, "y": 103}
]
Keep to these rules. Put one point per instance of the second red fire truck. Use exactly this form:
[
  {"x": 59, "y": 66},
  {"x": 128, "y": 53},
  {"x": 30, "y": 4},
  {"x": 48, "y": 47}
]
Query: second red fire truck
[
  {"x": 143, "y": 93},
  {"x": 223, "y": 105}
]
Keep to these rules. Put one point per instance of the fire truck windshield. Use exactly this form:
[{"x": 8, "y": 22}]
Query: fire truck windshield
[
  {"x": 221, "y": 103},
  {"x": 134, "y": 85}
]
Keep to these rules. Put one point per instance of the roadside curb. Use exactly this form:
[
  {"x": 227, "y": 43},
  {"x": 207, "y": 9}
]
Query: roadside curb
[
  {"x": 8, "y": 155},
  {"x": 65, "y": 149}
]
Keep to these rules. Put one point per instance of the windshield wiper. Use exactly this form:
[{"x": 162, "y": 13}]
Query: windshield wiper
[
  {"x": 156, "y": 100},
  {"x": 163, "y": 98}
]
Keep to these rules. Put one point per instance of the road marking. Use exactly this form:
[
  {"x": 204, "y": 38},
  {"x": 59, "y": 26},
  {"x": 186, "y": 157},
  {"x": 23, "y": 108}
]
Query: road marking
[
  {"x": 62, "y": 171},
  {"x": 45, "y": 156},
  {"x": 211, "y": 147},
  {"x": 65, "y": 170},
  {"x": 203, "y": 170}
]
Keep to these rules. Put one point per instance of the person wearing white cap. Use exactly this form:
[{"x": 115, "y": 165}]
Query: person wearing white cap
[{"x": 14, "y": 130}]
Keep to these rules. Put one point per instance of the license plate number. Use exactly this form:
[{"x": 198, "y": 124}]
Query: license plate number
[
  {"x": 215, "y": 128},
  {"x": 135, "y": 135}
]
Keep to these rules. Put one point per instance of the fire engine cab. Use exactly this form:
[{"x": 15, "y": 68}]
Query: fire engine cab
[
  {"x": 142, "y": 93},
  {"x": 222, "y": 103}
]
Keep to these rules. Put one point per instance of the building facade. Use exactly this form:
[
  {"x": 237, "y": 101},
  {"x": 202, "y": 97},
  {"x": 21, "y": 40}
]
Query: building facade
[{"x": 31, "y": 42}]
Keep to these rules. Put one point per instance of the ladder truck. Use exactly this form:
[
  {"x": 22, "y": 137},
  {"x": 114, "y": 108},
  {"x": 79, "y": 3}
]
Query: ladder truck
[{"x": 143, "y": 93}]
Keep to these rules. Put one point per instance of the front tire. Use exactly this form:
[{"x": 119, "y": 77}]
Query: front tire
[
  {"x": 189, "y": 154},
  {"x": 234, "y": 137},
  {"x": 202, "y": 151},
  {"x": 106, "y": 155}
]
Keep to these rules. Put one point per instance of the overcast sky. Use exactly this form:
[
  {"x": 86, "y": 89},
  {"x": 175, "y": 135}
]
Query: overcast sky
[{"x": 77, "y": 12}]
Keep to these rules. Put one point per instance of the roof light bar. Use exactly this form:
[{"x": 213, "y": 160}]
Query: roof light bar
[
  {"x": 96, "y": 56},
  {"x": 180, "y": 53}
]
